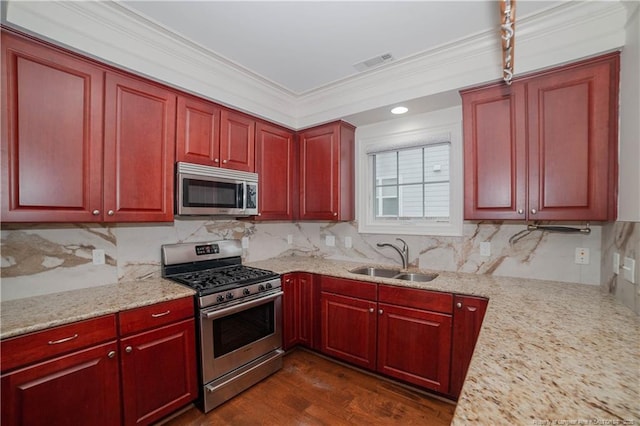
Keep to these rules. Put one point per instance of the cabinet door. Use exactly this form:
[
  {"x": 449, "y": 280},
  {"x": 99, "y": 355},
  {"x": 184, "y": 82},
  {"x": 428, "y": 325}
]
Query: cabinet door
[
  {"x": 414, "y": 346},
  {"x": 298, "y": 310},
  {"x": 467, "y": 320},
  {"x": 140, "y": 120},
  {"x": 158, "y": 372},
  {"x": 51, "y": 134},
  {"x": 573, "y": 142},
  {"x": 494, "y": 153},
  {"x": 81, "y": 388},
  {"x": 237, "y": 141},
  {"x": 319, "y": 173},
  {"x": 349, "y": 329},
  {"x": 198, "y": 131},
  {"x": 290, "y": 311},
  {"x": 275, "y": 165}
]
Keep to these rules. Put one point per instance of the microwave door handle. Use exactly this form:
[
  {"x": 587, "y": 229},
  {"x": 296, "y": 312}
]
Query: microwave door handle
[{"x": 244, "y": 196}]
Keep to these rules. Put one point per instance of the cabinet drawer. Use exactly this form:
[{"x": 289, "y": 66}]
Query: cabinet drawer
[
  {"x": 32, "y": 347},
  {"x": 146, "y": 317},
  {"x": 352, "y": 288},
  {"x": 416, "y": 298}
]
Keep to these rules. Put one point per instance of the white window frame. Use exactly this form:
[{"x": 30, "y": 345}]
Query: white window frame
[{"x": 406, "y": 132}]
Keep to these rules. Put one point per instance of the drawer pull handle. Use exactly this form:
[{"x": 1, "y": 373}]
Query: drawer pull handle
[
  {"x": 66, "y": 339},
  {"x": 161, "y": 314}
]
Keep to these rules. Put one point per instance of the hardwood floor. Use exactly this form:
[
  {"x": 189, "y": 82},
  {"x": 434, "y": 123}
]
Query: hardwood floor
[{"x": 311, "y": 390}]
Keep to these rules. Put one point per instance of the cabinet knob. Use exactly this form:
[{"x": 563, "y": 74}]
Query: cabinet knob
[
  {"x": 110, "y": 213},
  {"x": 335, "y": 214},
  {"x": 225, "y": 161},
  {"x": 520, "y": 211},
  {"x": 95, "y": 212},
  {"x": 111, "y": 354},
  {"x": 534, "y": 211},
  {"x": 459, "y": 305},
  {"x": 128, "y": 349},
  {"x": 287, "y": 281},
  {"x": 371, "y": 310},
  {"x": 380, "y": 311},
  {"x": 215, "y": 160}
]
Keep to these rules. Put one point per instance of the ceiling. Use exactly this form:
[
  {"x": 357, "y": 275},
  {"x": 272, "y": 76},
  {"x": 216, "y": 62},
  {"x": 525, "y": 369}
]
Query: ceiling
[{"x": 302, "y": 46}]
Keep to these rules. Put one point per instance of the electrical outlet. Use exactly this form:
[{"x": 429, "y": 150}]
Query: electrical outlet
[
  {"x": 245, "y": 242},
  {"x": 330, "y": 241},
  {"x": 582, "y": 256},
  {"x": 485, "y": 249},
  {"x": 289, "y": 239},
  {"x": 98, "y": 256},
  {"x": 347, "y": 242},
  {"x": 616, "y": 263},
  {"x": 629, "y": 267}
]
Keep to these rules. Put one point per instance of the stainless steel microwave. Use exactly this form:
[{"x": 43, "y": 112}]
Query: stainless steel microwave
[{"x": 213, "y": 191}]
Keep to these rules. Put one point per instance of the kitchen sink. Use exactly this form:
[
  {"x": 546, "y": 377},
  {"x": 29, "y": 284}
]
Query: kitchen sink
[
  {"x": 411, "y": 276},
  {"x": 376, "y": 272},
  {"x": 393, "y": 273}
]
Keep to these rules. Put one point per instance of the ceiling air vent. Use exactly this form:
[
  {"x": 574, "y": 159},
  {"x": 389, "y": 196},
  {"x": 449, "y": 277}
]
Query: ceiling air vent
[{"x": 374, "y": 62}]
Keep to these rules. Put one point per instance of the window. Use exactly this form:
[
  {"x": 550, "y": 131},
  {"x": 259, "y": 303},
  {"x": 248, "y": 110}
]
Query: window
[{"x": 409, "y": 182}]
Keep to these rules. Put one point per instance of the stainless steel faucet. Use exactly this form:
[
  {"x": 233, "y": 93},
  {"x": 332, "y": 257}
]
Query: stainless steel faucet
[{"x": 404, "y": 252}]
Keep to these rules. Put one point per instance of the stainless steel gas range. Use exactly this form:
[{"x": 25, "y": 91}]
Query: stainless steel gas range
[{"x": 239, "y": 319}]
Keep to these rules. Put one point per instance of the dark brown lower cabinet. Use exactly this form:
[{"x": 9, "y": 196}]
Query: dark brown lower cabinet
[
  {"x": 80, "y": 388},
  {"x": 299, "y": 310},
  {"x": 468, "y": 314},
  {"x": 415, "y": 346},
  {"x": 158, "y": 372}
]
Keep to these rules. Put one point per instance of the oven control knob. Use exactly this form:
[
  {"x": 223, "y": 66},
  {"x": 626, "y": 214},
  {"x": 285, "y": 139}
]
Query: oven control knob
[
  {"x": 261, "y": 287},
  {"x": 269, "y": 286},
  {"x": 220, "y": 298},
  {"x": 246, "y": 292},
  {"x": 229, "y": 296}
]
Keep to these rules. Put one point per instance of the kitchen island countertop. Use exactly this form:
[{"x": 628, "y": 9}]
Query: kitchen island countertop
[{"x": 548, "y": 352}]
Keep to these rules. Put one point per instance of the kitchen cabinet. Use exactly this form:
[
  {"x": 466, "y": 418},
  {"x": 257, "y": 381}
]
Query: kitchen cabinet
[
  {"x": 139, "y": 150},
  {"x": 198, "y": 131},
  {"x": 237, "y": 141},
  {"x": 158, "y": 360},
  {"x": 275, "y": 165},
  {"x": 467, "y": 319},
  {"x": 52, "y": 127},
  {"x": 326, "y": 158},
  {"x": 400, "y": 332},
  {"x": 299, "y": 310},
  {"x": 544, "y": 148},
  {"x": 349, "y": 320},
  {"x": 82, "y": 143},
  {"x": 414, "y": 336},
  {"x": 63, "y": 375}
]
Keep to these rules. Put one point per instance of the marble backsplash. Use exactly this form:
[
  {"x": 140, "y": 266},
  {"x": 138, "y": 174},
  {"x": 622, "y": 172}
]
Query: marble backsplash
[
  {"x": 41, "y": 259},
  {"x": 622, "y": 238}
]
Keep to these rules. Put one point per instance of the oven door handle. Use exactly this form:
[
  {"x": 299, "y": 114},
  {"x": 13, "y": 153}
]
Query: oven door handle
[{"x": 240, "y": 306}]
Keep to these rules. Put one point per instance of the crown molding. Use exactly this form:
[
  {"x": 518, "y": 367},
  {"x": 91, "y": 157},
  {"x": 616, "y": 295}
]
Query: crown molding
[{"x": 113, "y": 33}]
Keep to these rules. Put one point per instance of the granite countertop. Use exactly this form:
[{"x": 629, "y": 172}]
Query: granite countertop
[
  {"x": 548, "y": 352},
  {"x": 40, "y": 312}
]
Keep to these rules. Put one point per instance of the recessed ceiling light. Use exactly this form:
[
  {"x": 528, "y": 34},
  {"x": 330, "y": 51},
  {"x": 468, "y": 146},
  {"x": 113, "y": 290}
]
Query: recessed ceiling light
[{"x": 399, "y": 110}]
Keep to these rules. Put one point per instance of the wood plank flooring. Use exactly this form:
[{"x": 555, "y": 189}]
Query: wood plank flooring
[{"x": 311, "y": 390}]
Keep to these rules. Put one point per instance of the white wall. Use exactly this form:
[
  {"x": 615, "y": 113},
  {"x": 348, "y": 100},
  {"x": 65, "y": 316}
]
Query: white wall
[{"x": 629, "y": 174}]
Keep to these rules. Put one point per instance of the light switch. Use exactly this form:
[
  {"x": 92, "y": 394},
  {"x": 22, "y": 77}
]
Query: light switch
[
  {"x": 485, "y": 249},
  {"x": 245, "y": 242},
  {"x": 98, "y": 256},
  {"x": 629, "y": 267},
  {"x": 616, "y": 263},
  {"x": 330, "y": 241},
  {"x": 289, "y": 239}
]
